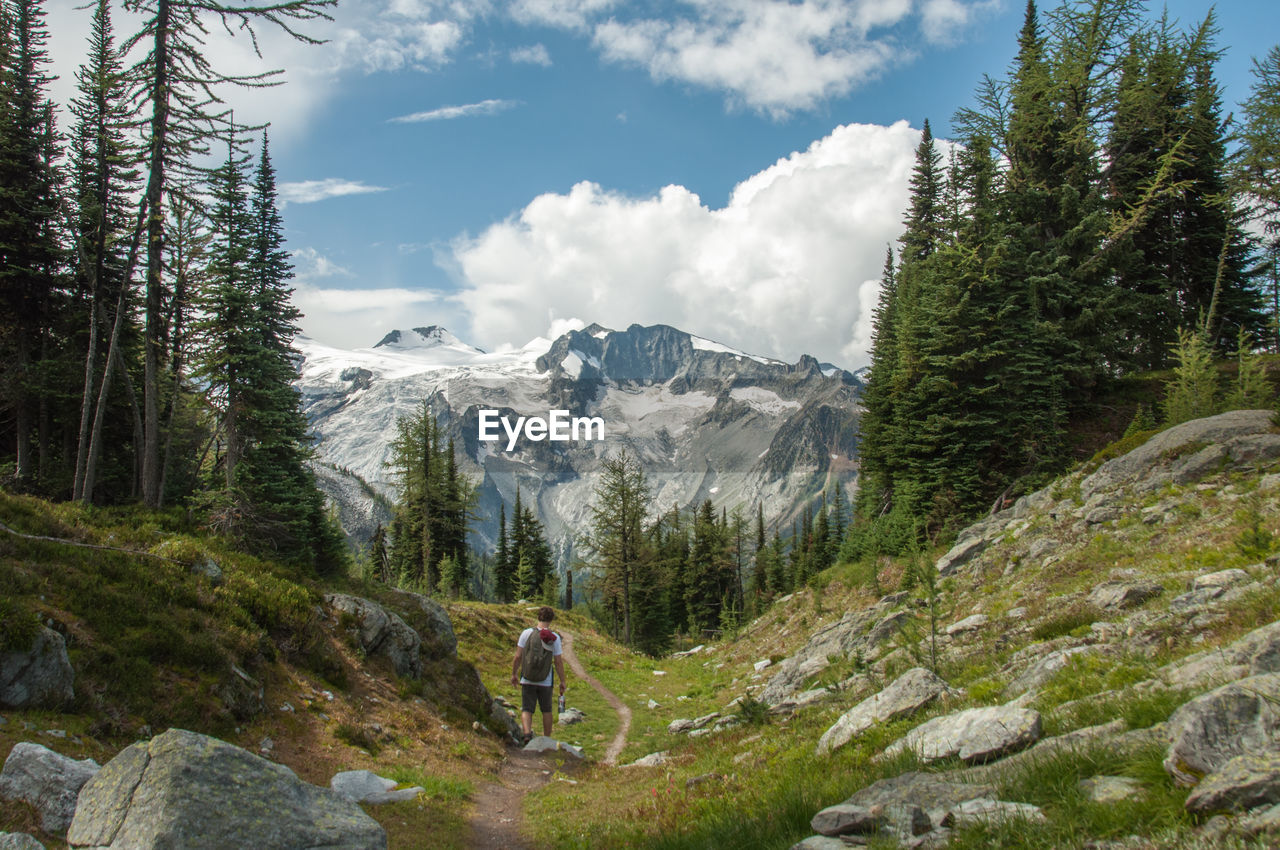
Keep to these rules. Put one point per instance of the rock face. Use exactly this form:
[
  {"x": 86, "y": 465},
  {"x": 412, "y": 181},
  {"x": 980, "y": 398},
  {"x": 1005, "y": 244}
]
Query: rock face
[
  {"x": 909, "y": 693},
  {"x": 186, "y": 790},
  {"x": 434, "y": 626},
  {"x": 40, "y": 677},
  {"x": 1256, "y": 652},
  {"x": 48, "y": 781},
  {"x": 976, "y": 735},
  {"x": 1039, "y": 673},
  {"x": 18, "y": 841},
  {"x": 1237, "y": 719},
  {"x": 365, "y": 786},
  {"x": 1115, "y": 595},
  {"x": 381, "y": 632}
]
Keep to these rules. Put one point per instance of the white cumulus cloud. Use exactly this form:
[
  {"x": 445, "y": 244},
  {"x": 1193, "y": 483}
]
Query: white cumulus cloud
[
  {"x": 790, "y": 265},
  {"x": 310, "y": 191},
  {"x": 447, "y": 113}
]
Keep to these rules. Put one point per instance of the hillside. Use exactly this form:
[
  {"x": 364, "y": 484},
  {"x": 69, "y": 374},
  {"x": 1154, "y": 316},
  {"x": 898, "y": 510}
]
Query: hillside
[{"x": 1103, "y": 604}]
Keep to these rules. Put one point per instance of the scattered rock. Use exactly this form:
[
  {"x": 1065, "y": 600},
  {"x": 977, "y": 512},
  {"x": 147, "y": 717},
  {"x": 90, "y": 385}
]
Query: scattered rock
[
  {"x": 570, "y": 716},
  {"x": 1254, "y": 653},
  {"x": 241, "y": 694},
  {"x": 653, "y": 704},
  {"x": 651, "y": 760},
  {"x": 1039, "y": 673},
  {"x": 839, "y": 639},
  {"x": 46, "y": 780},
  {"x": 186, "y": 790},
  {"x": 1196, "y": 466},
  {"x": 39, "y": 677},
  {"x": 543, "y": 744},
  {"x": 689, "y": 652},
  {"x": 845, "y": 819},
  {"x": 208, "y": 568},
  {"x": 1110, "y": 789},
  {"x": 1245, "y": 782},
  {"x": 909, "y": 693},
  {"x": 1265, "y": 821},
  {"x": 762, "y": 664},
  {"x": 969, "y": 624},
  {"x": 1101, "y": 514},
  {"x": 19, "y": 841},
  {"x": 976, "y": 735},
  {"x": 1043, "y": 547},
  {"x": 381, "y": 632},
  {"x": 926, "y": 791},
  {"x": 960, "y": 554},
  {"x": 985, "y": 810},
  {"x": 1115, "y": 595},
  {"x": 820, "y": 842},
  {"x": 1220, "y": 579},
  {"x": 695, "y": 781},
  {"x": 683, "y": 726},
  {"x": 365, "y": 786},
  {"x": 1236, "y": 719}
]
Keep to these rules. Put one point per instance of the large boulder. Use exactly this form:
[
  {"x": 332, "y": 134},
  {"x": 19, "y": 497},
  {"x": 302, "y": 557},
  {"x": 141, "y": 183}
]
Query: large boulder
[
  {"x": 1115, "y": 595},
  {"x": 975, "y": 735},
  {"x": 899, "y": 798},
  {"x": 431, "y": 621},
  {"x": 381, "y": 632},
  {"x": 1143, "y": 466},
  {"x": 46, "y": 780},
  {"x": 37, "y": 677},
  {"x": 1254, "y": 653},
  {"x": 18, "y": 841},
  {"x": 1243, "y": 783},
  {"x": 1237, "y": 719},
  {"x": 1042, "y": 671},
  {"x": 181, "y": 789},
  {"x": 909, "y": 693}
]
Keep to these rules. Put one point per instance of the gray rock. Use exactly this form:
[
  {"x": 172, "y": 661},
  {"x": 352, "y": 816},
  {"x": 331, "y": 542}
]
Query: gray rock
[
  {"x": 1244, "y": 782},
  {"x": 1220, "y": 579},
  {"x": 1042, "y": 548},
  {"x": 1257, "y": 447},
  {"x": 241, "y": 694},
  {"x": 543, "y": 744},
  {"x": 46, "y": 780},
  {"x": 651, "y": 760},
  {"x": 909, "y": 693},
  {"x": 186, "y": 790},
  {"x": 1101, "y": 514},
  {"x": 381, "y": 632},
  {"x": 1135, "y": 466},
  {"x": 365, "y": 786},
  {"x": 1038, "y": 674},
  {"x": 19, "y": 841},
  {"x": 1264, "y": 821},
  {"x": 1114, "y": 595},
  {"x": 1110, "y": 789},
  {"x": 1254, "y": 653},
  {"x": 1195, "y": 466},
  {"x": 1195, "y": 601},
  {"x": 969, "y": 624},
  {"x": 960, "y": 554},
  {"x": 434, "y": 627},
  {"x": 1236, "y": 719},
  {"x": 976, "y": 735},
  {"x": 844, "y": 819},
  {"x": 501, "y": 721},
  {"x": 820, "y": 842},
  {"x": 839, "y": 639},
  {"x": 988, "y": 811},
  {"x": 570, "y": 716},
  {"x": 898, "y": 794},
  {"x": 208, "y": 568},
  {"x": 39, "y": 677}
]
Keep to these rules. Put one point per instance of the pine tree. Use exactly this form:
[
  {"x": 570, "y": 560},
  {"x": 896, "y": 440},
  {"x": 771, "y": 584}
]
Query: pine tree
[
  {"x": 503, "y": 572},
  {"x": 617, "y": 539},
  {"x": 1192, "y": 392},
  {"x": 1260, "y": 170}
]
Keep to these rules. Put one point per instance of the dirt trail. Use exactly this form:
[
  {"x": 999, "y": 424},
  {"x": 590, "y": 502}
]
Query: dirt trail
[{"x": 499, "y": 806}]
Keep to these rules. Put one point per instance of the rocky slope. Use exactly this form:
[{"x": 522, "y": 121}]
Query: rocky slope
[
  {"x": 706, "y": 421},
  {"x": 1120, "y": 627}
]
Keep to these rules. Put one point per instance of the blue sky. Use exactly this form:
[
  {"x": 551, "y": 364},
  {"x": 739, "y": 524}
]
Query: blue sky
[{"x": 732, "y": 167}]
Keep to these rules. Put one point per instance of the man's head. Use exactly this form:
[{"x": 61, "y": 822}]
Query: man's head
[{"x": 546, "y": 614}]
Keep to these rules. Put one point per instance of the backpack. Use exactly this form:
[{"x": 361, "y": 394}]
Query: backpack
[{"x": 536, "y": 665}]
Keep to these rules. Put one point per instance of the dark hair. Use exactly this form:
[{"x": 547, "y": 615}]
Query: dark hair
[{"x": 546, "y": 614}]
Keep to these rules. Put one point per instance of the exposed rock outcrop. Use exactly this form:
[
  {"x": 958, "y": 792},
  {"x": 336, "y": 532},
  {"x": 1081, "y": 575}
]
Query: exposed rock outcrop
[
  {"x": 381, "y": 632},
  {"x": 975, "y": 735},
  {"x": 909, "y": 693},
  {"x": 1239, "y": 718},
  {"x": 365, "y": 786}
]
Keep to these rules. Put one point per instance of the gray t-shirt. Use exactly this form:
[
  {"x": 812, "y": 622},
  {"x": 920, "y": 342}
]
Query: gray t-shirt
[{"x": 555, "y": 650}]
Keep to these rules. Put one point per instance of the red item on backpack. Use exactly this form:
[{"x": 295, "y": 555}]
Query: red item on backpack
[{"x": 547, "y": 635}]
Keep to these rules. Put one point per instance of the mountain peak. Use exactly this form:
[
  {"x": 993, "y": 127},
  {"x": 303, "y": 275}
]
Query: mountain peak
[{"x": 432, "y": 336}]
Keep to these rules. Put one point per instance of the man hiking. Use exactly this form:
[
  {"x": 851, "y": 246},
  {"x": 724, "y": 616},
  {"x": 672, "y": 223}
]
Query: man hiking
[{"x": 536, "y": 652}]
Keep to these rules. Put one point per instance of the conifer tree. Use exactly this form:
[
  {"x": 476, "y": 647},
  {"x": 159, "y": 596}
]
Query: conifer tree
[
  {"x": 1260, "y": 169},
  {"x": 503, "y": 571},
  {"x": 617, "y": 539}
]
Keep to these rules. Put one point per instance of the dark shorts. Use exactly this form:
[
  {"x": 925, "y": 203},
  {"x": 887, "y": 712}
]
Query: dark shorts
[{"x": 535, "y": 694}]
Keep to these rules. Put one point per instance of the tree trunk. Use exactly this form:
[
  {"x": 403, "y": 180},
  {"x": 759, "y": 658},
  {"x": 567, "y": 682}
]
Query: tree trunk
[{"x": 155, "y": 261}]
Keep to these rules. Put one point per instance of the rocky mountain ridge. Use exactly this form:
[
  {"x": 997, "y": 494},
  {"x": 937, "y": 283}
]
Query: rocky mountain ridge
[{"x": 705, "y": 420}]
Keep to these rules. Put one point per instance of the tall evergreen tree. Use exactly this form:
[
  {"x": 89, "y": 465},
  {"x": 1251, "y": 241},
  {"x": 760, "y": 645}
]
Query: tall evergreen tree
[{"x": 617, "y": 533}]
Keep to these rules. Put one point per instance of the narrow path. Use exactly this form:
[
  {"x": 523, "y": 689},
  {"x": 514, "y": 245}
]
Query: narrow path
[
  {"x": 499, "y": 806},
  {"x": 619, "y": 741}
]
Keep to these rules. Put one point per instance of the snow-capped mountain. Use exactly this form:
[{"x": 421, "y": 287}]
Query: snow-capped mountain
[{"x": 705, "y": 420}]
